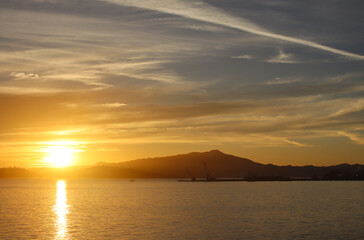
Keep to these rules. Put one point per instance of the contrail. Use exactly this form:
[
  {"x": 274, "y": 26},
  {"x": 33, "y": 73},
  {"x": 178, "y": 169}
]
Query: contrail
[{"x": 203, "y": 12}]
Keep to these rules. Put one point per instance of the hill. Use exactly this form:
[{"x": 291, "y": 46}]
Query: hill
[
  {"x": 223, "y": 165},
  {"x": 196, "y": 164}
]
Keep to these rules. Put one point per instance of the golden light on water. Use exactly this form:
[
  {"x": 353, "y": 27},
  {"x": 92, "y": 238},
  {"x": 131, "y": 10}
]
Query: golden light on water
[{"x": 61, "y": 211}]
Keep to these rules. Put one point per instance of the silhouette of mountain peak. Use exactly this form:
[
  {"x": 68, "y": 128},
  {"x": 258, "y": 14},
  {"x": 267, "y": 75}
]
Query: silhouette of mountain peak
[
  {"x": 194, "y": 164},
  {"x": 216, "y": 152},
  {"x": 212, "y": 153}
]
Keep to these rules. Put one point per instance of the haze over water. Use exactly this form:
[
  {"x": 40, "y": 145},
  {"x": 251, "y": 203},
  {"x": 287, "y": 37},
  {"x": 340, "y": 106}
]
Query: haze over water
[{"x": 166, "y": 209}]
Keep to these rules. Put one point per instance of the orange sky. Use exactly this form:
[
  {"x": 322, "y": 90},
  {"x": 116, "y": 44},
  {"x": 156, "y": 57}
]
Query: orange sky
[{"x": 119, "y": 80}]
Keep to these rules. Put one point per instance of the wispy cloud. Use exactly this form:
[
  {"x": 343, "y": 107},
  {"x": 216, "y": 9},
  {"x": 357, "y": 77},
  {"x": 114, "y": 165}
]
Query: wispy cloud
[
  {"x": 246, "y": 56},
  {"x": 113, "y": 105},
  {"x": 350, "y": 106},
  {"x": 283, "y": 58},
  {"x": 279, "y": 80},
  {"x": 142, "y": 69},
  {"x": 201, "y": 11},
  {"x": 27, "y": 90},
  {"x": 24, "y": 76},
  {"x": 288, "y": 141},
  {"x": 353, "y": 137}
]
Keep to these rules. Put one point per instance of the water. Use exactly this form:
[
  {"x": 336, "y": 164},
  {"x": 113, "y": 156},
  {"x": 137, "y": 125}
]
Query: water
[{"x": 167, "y": 209}]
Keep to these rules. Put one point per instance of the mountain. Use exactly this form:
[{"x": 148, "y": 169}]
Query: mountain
[
  {"x": 222, "y": 165},
  {"x": 218, "y": 163},
  {"x": 214, "y": 164}
]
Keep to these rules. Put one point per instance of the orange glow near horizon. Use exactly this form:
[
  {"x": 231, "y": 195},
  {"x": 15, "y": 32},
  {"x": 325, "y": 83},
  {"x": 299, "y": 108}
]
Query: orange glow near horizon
[{"x": 60, "y": 154}]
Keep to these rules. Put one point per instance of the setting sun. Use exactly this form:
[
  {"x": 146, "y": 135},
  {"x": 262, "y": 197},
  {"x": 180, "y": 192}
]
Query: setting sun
[{"x": 59, "y": 156}]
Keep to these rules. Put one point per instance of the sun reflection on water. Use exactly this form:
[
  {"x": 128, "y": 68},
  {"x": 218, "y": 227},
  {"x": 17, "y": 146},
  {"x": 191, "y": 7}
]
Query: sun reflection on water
[{"x": 61, "y": 210}]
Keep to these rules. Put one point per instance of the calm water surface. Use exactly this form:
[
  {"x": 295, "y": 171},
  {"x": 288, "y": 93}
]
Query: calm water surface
[{"x": 166, "y": 209}]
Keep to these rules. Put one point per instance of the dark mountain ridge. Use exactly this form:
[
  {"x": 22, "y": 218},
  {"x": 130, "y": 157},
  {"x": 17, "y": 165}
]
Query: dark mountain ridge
[
  {"x": 222, "y": 165},
  {"x": 192, "y": 165}
]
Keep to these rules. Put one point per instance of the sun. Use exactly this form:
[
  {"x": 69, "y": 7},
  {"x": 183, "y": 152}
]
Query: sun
[{"x": 59, "y": 156}]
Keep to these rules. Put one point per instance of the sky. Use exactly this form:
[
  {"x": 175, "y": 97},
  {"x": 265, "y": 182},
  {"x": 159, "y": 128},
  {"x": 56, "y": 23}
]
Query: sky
[{"x": 275, "y": 81}]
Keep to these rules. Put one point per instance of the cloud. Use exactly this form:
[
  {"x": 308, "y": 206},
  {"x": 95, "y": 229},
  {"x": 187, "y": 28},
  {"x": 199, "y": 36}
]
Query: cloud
[
  {"x": 278, "y": 81},
  {"x": 203, "y": 12},
  {"x": 113, "y": 105},
  {"x": 45, "y": 1},
  {"x": 283, "y": 58},
  {"x": 142, "y": 69},
  {"x": 353, "y": 137},
  {"x": 350, "y": 106},
  {"x": 246, "y": 56},
  {"x": 263, "y": 123},
  {"x": 285, "y": 140},
  {"x": 26, "y": 90},
  {"x": 206, "y": 28},
  {"x": 24, "y": 76}
]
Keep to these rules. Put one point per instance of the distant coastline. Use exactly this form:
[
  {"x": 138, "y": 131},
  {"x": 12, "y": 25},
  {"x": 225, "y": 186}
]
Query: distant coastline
[{"x": 197, "y": 166}]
